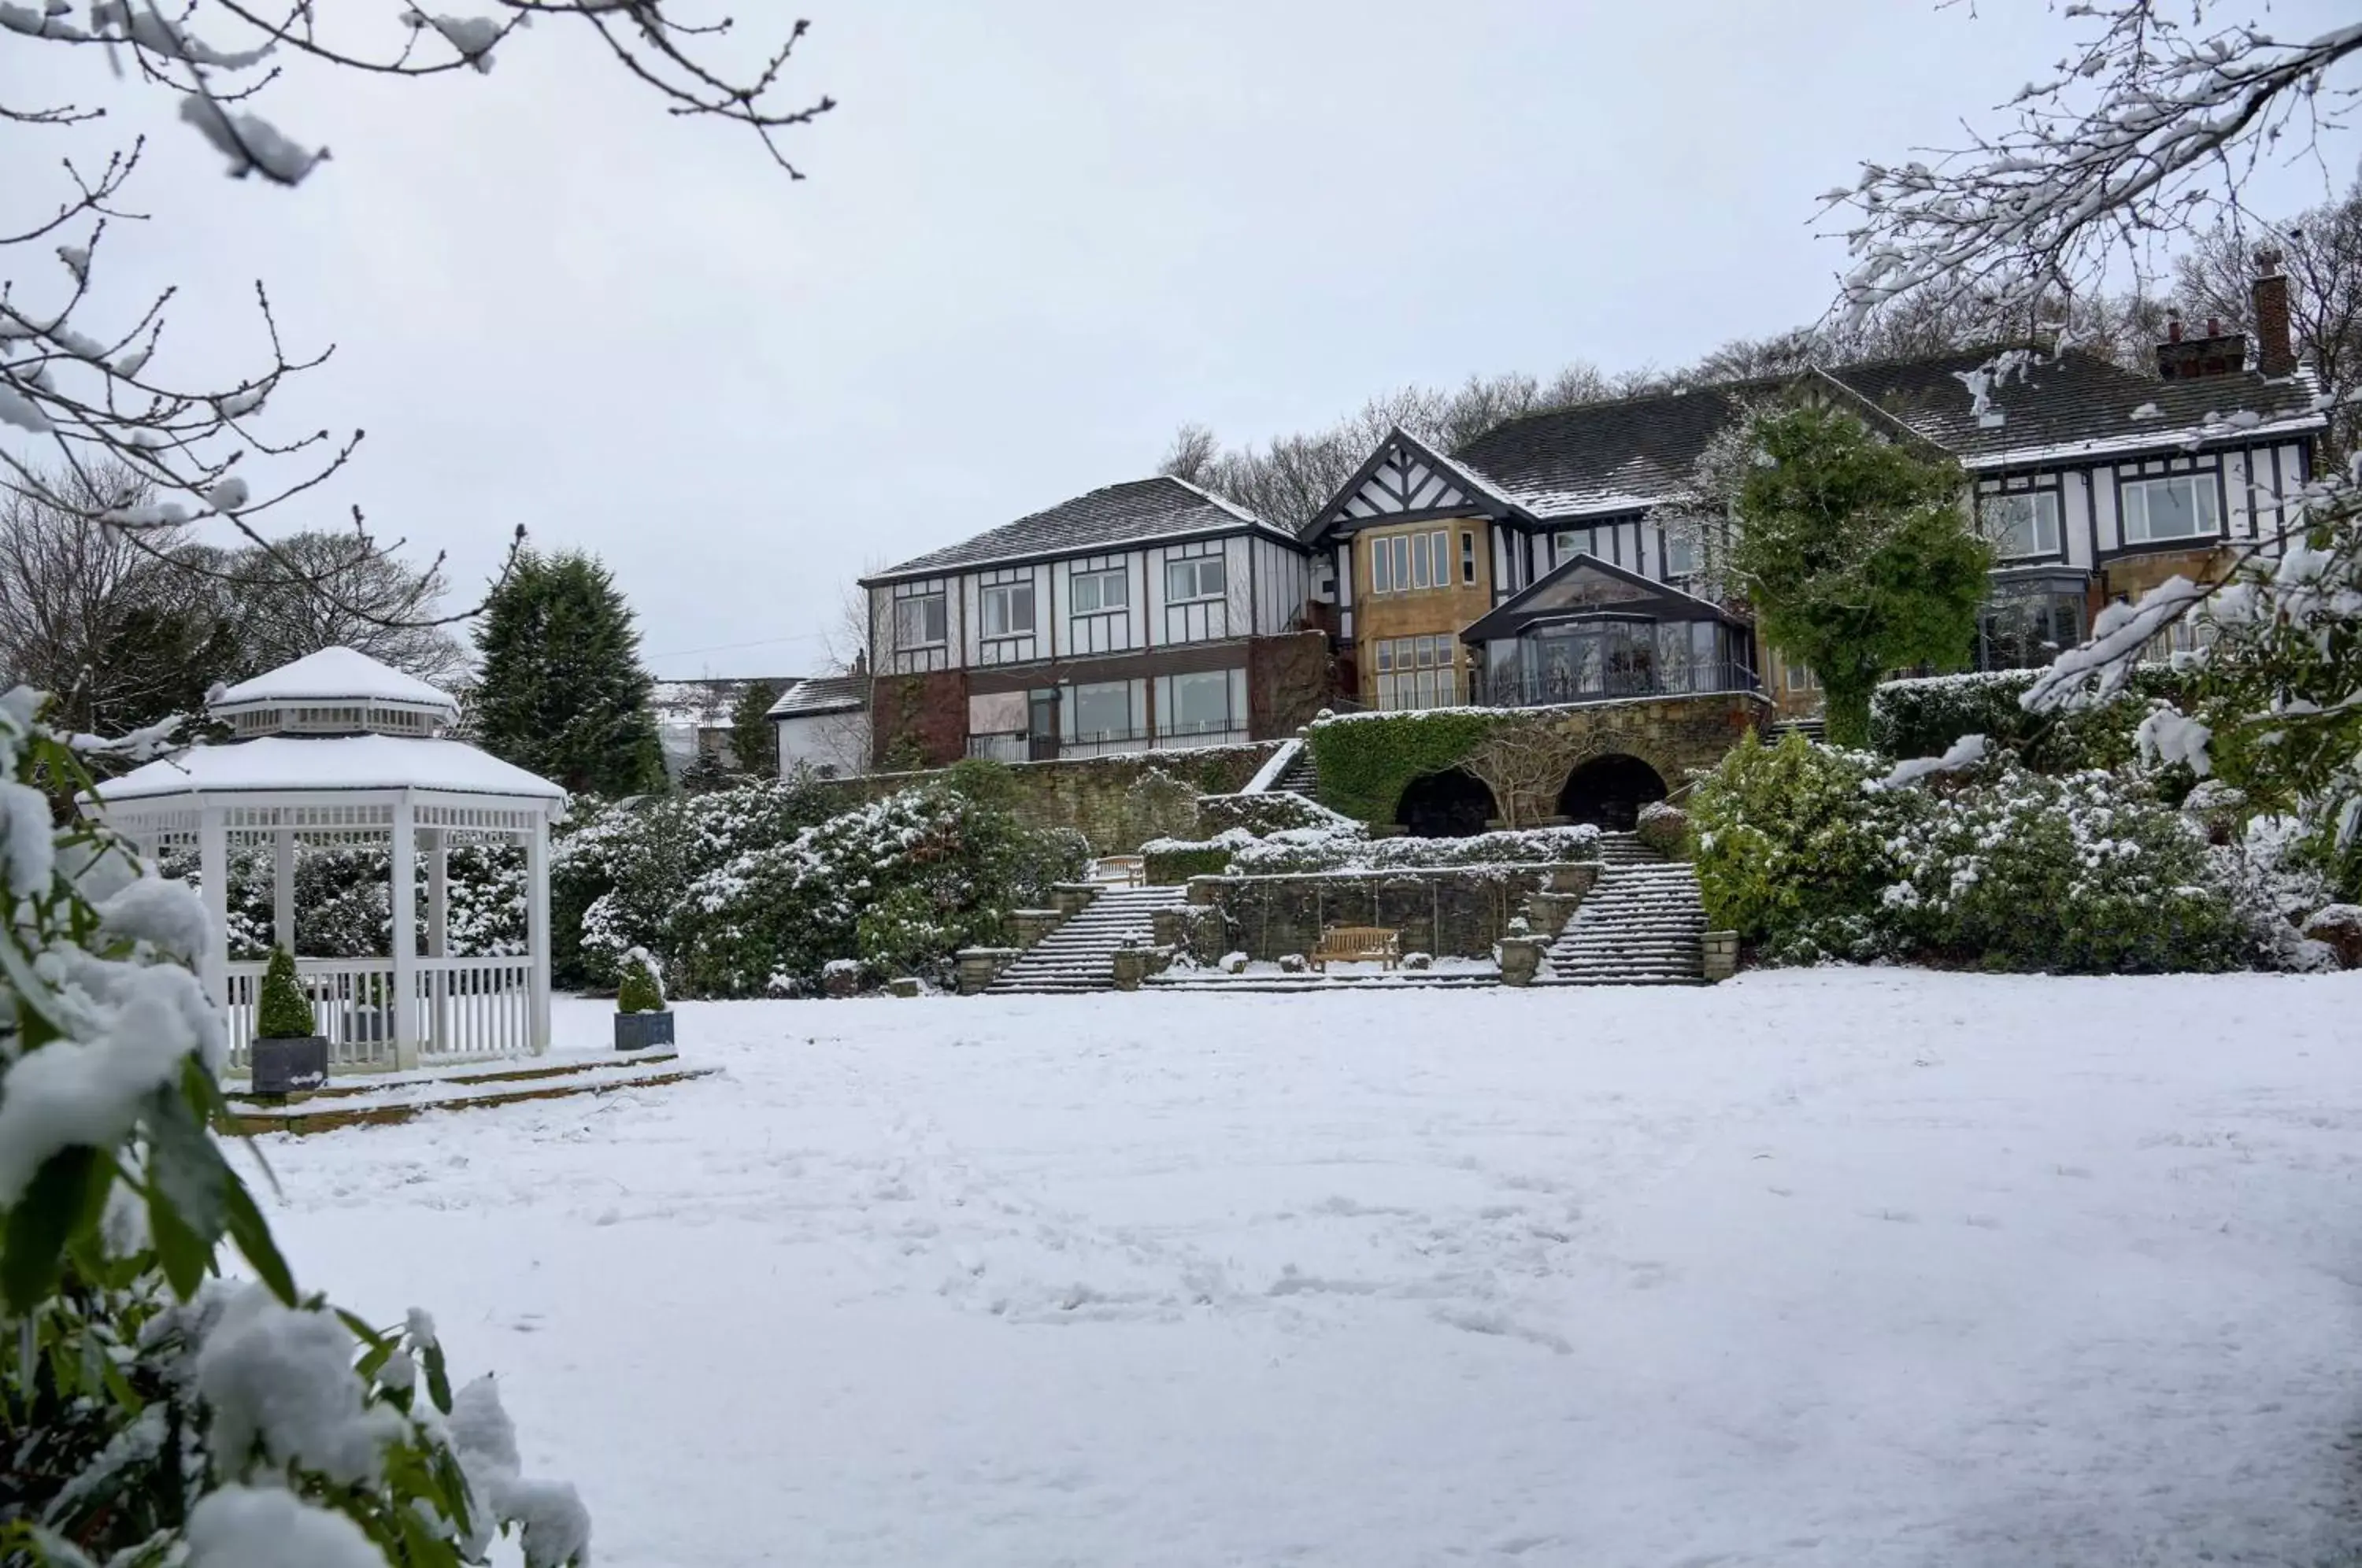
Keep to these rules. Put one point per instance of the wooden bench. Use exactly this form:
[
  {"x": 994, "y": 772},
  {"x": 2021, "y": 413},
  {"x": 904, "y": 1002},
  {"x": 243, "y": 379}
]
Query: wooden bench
[
  {"x": 1120, "y": 870},
  {"x": 1356, "y": 943}
]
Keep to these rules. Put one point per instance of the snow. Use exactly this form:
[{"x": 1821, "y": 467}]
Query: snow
[
  {"x": 556, "y": 1527},
  {"x": 1965, "y": 752},
  {"x": 1274, "y": 765},
  {"x": 335, "y": 675},
  {"x": 248, "y": 1527},
  {"x": 280, "y": 1379},
  {"x": 251, "y": 143},
  {"x": 1813, "y": 1267},
  {"x": 328, "y": 762}
]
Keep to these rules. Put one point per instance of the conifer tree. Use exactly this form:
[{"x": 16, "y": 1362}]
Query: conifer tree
[
  {"x": 562, "y": 691},
  {"x": 751, "y": 738}
]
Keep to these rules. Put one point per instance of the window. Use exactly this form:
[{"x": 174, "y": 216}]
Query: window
[
  {"x": 1417, "y": 672},
  {"x": 1206, "y": 702},
  {"x": 2026, "y": 631},
  {"x": 1199, "y": 576},
  {"x": 1467, "y": 557},
  {"x": 2179, "y": 506},
  {"x": 1565, "y": 547},
  {"x": 1406, "y": 563},
  {"x": 1802, "y": 678},
  {"x": 1102, "y": 711},
  {"x": 2022, "y": 523},
  {"x": 1683, "y": 555},
  {"x": 1009, "y": 610},
  {"x": 1093, "y": 591},
  {"x": 922, "y": 622}
]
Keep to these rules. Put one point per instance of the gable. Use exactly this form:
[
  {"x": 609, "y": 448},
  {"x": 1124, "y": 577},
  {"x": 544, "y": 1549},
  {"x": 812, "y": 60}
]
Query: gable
[{"x": 1404, "y": 482}]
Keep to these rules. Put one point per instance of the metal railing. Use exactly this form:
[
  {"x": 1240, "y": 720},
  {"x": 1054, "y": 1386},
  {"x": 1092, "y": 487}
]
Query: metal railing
[
  {"x": 1545, "y": 689},
  {"x": 1100, "y": 743}
]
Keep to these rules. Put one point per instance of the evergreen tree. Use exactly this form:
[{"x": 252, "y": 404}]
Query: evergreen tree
[
  {"x": 562, "y": 691},
  {"x": 1857, "y": 555},
  {"x": 751, "y": 738}
]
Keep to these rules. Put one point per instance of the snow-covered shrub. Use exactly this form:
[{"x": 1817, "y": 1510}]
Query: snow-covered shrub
[
  {"x": 1418, "y": 960},
  {"x": 2267, "y": 867},
  {"x": 1270, "y": 813},
  {"x": 1923, "y": 717},
  {"x": 640, "y": 990},
  {"x": 154, "y": 1414},
  {"x": 281, "y": 1011},
  {"x": 2338, "y": 927},
  {"x": 618, "y": 869},
  {"x": 1663, "y": 828},
  {"x": 1158, "y": 806},
  {"x": 902, "y": 882},
  {"x": 1999, "y": 867},
  {"x": 1233, "y": 963},
  {"x": 1291, "y": 963},
  {"x": 1169, "y": 862}
]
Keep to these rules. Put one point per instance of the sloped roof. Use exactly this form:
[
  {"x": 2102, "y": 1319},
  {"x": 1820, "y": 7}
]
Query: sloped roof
[
  {"x": 280, "y": 763},
  {"x": 335, "y": 674},
  {"x": 1583, "y": 584},
  {"x": 2068, "y": 400},
  {"x": 1602, "y": 457},
  {"x": 1135, "y": 512},
  {"x": 823, "y": 694}
]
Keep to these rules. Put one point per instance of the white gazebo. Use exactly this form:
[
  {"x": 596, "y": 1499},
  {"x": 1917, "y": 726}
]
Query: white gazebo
[{"x": 337, "y": 748}]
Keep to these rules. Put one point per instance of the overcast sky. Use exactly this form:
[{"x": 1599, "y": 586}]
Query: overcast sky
[{"x": 1030, "y": 244}]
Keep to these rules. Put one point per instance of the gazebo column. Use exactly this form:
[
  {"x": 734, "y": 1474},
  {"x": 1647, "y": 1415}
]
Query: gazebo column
[
  {"x": 282, "y": 890},
  {"x": 438, "y": 841},
  {"x": 404, "y": 902},
  {"x": 536, "y": 925},
  {"x": 213, "y": 873}
]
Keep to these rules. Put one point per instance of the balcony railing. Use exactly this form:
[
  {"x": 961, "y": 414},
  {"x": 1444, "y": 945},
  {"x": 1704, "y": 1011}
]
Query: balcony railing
[
  {"x": 1100, "y": 743},
  {"x": 1545, "y": 689}
]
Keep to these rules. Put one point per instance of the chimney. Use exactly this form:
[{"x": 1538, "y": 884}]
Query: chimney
[
  {"x": 2181, "y": 358},
  {"x": 2274, "y": 354},
  {"x": 860, "y": 662}
]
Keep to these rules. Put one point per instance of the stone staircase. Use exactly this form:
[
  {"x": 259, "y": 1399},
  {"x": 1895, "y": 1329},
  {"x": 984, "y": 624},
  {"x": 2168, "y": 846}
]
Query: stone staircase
[
  {"x": 1079, "y": 955},
  {"x": 1641, "y": 924},
  {"x": 1299, "y": 775}
]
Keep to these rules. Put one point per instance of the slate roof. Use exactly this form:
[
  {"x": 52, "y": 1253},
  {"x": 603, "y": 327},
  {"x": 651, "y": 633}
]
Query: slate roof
[
  {"x": 2069, "y": 401},
  {"x": 1136, "y": 512},
  {"x": 1604, "y": 457},
  {"x": 822, "y": 694}
]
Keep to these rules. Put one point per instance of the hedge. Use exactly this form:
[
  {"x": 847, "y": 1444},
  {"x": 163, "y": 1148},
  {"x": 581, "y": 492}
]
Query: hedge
[
  {"x": 1172, "y": 862},
  {"x": 1923, "y": 717},
  {"x": 1366, "y": 760}
]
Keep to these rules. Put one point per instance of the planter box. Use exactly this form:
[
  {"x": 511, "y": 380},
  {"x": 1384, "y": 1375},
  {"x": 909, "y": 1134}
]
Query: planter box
[
  {"x": 290, "y": 1066},
  {"x": 638, "y": 1031}
]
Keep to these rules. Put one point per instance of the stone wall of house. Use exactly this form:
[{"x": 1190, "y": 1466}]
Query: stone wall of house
[
  {"x": 918, "y": 720},
  {"x": 1094, "y": 794},
  {"x": 1457, "y": 912},
  {"x": 1676, "y": 736}
]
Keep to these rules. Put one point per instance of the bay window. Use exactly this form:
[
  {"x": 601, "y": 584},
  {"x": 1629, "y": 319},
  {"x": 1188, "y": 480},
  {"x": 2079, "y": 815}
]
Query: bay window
[
  {"x": 1407, "y": 563},
  {"x": 1417, "y": 672},
  {"x": 2021, "y": 522}
]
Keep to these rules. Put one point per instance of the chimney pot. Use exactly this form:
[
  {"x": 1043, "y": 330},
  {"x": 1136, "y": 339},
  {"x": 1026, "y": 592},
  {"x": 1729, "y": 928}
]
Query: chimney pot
[{"x": 2173, "y": 330}]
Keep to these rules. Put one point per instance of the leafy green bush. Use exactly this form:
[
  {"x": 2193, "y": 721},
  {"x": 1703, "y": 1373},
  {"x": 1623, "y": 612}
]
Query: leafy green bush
[
  {"x": 157, "y": 1412},
  {"x": 640, "y": 990},
  {"x": 1923, "y": 717},
  {"x": 904, "y": 882},
  {"x": 1171, "y": 862},
  {"x": 1273, "y": 812},
  {"x": 283, "y": 1012},
  {"x": 1364, "y": 760},
  {"x": 985, "y": 783},
  {"x": 1799, "y": 852},
  {"x": 1663, "y": 828}
]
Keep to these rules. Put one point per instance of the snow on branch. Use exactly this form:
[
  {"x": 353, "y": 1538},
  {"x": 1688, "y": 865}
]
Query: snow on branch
[
  {"x": 2089, "y": 675},
  {"x": 2150, "y": 125}
]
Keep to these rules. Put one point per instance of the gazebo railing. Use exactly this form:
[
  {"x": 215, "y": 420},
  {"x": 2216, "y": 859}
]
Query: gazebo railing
[{"x": 466, "y": 1009}]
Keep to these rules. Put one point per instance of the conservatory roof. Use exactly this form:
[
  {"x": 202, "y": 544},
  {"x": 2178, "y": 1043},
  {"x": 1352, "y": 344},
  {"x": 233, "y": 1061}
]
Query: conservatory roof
[
  {"x": 335, "y": 674},
  {"x": 284, "y": 763},
  {"x": 1585, "y": 585}
]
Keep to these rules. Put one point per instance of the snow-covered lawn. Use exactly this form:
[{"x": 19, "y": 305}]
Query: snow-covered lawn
[{"x": 1845, "y": 1268}]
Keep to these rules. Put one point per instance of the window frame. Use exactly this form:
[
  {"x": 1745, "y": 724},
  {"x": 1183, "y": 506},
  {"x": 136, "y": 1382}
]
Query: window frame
[
  {"x": 1989, "y": 500},
  {"x": 1694, "y": 548},
  {"x": 919, "y": 602},
  {"x": 1194, "y": 566},
  {"x": 1007, "y": 594},
  {"x": 2200, "y": 482},
  {"x": 1170, "y": 724},
  {"x": 1099, "y": 577}
]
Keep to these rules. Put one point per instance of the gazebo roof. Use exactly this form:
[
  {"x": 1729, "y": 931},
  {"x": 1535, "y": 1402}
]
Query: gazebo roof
[
  {"x": 336, "y": 675},
  {"x": 280, "y": 764}
]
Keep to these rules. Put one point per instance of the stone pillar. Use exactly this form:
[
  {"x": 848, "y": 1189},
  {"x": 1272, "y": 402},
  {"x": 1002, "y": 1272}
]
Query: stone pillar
[
  {"x": 1130, "y": 967},
  {"x": 1073, "y": 897},
  {"x": 980, "y": 966},
  {"x": 1027, "y": 927},
  {"x": 1521, "y": 960},
  {"x": 1549, "y": 912},
  {"x": 1721, "y": 954},
  {"x": 1575, "y": 877}
]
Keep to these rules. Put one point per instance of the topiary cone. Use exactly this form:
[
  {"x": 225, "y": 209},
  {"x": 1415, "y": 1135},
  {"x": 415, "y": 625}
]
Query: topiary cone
[{"x": 283, "y": 1011}]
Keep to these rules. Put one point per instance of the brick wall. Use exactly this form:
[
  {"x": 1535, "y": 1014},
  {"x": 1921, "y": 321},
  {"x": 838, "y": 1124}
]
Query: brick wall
[
  {"x": 1288, "y": 681},
  {"x": 922, "y": 713}
]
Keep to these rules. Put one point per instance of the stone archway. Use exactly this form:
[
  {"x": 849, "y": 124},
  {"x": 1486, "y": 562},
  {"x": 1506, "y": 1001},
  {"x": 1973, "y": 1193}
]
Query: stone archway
[
  {"x": 1454, "y": 803},
  {"x": 1607, "y": 790}
]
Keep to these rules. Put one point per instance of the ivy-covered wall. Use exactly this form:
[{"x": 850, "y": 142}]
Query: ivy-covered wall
[{"x": 1365, "y": 760}]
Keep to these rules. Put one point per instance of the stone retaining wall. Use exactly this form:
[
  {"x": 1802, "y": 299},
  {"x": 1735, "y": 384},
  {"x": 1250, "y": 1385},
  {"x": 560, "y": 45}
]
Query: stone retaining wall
[
  {"x": 1093, "y": 794},
  {"x": 1456, "y": 911}
]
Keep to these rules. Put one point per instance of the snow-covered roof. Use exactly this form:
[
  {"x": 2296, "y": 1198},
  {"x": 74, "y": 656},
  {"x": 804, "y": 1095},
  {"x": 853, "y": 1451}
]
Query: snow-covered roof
[
  {"x": 1116, "y": 516},
  {"x": 282, "y": 763},
  {"x": 823, "y": 694},
  {"x": 336, "y": 675}
]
